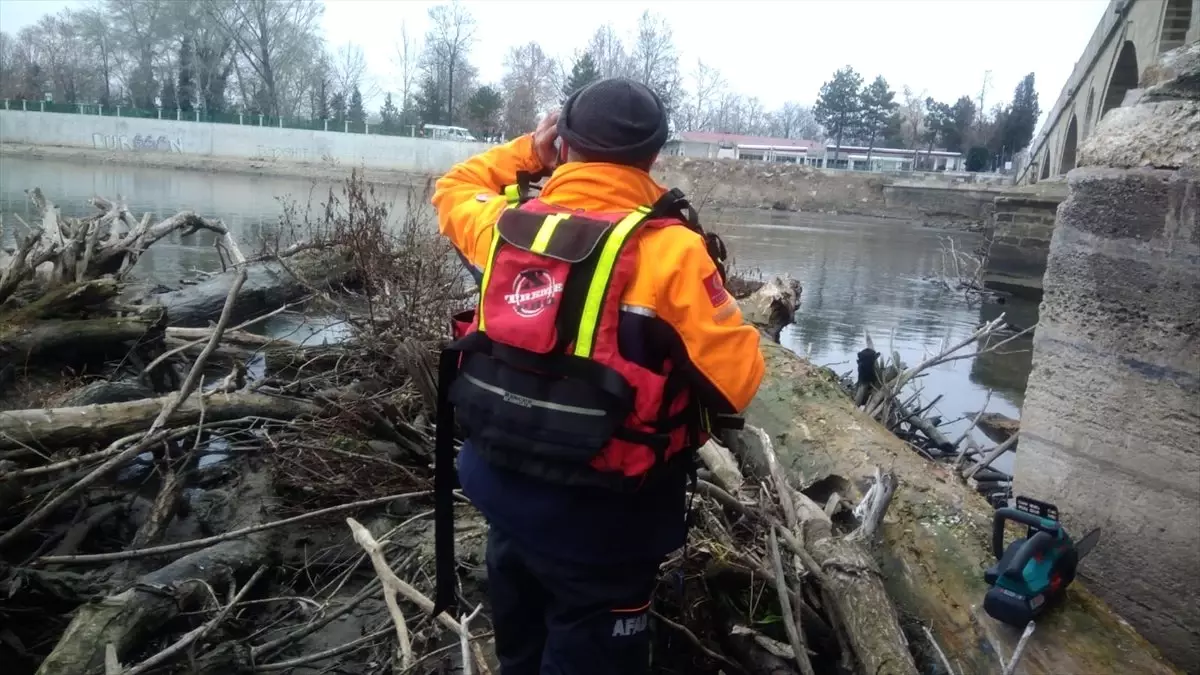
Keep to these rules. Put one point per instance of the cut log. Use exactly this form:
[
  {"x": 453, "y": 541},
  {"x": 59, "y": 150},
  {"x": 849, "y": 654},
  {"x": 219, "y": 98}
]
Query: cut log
[
  {"x": 773, "y": 305},
  {"x": 53, "y": 428},
  {"x": 269, "y": 284},
  {"x": 723, "y": 466},
  {"x": 934, "y": 542}
]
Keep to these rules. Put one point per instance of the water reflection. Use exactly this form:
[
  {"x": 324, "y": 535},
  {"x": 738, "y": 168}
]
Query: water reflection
[
  {"x": 865, "y": 275},
  {"x": 859, "y": 274}
]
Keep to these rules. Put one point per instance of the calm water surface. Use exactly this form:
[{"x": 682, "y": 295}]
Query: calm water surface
[{"x": 859, "y": 274}]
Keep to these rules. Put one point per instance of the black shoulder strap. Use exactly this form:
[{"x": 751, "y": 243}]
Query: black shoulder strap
[{"x": 674, "y": 204}]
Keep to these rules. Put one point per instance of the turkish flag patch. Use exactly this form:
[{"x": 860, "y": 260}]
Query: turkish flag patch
[{"x": 716, "y": 290}]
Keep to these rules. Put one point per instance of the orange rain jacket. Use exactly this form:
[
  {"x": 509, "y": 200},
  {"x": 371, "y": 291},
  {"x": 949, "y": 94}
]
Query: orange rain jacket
[{"x": 676, "y": 284}]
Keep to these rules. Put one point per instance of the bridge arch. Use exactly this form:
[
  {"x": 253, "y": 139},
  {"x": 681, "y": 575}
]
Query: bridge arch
[
  {"x": 1069, "y": 145},
  {"x": 1177, "y": 16},
  {"x": 1123, "y": 78}
]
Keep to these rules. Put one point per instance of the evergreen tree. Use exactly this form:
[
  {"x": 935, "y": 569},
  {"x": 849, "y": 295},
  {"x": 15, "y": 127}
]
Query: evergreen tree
[
  {"x": 949, "y": 124},
  {"x": 185, "y": 91},
  {"x": 356, "y": 114},
  {"x": 1022, "y": 115},
  {"x": 878, "y": 109},
  {"x": 583, "y": 73},
  {"x": 431, "y": 107},
  {"x": 321, "y": 100},
  {"x": 962, "y": 117},
  {"x": 839, "y": 104},
  {"x": 483, "y": 111},
  {"x": 389, "y": 116},
  {"x": 337, "y": 107},
  {"x": 167, "y": 97},
  {"x": 142, "y": 88}
]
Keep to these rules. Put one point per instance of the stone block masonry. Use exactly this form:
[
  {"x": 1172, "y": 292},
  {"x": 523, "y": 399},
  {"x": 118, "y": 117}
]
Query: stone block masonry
[
  {"x": 1110, "y": 430},
  {"x": 1018, "y": 235}
]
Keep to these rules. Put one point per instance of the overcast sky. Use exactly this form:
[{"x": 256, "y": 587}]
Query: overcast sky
[{"x": 777, "y": 50}]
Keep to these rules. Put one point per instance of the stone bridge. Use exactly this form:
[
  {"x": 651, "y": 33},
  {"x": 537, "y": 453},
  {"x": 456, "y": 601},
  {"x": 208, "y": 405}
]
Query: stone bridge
[{"x": 1130, "y": 36}]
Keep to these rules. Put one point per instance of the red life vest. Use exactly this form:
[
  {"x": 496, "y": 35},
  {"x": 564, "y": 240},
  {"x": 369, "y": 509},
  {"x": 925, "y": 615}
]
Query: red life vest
[
  {"x": 535, "y": 375},
  {"x": 542, "y": 385}
]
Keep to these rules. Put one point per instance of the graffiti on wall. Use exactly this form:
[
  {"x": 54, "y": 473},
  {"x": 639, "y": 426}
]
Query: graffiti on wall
[
  {"x": 138, "y": 143},
  {"x": 287, "y": 154}
]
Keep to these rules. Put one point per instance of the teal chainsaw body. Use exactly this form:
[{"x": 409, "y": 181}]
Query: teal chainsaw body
[{"x": 1031, "y": 575}]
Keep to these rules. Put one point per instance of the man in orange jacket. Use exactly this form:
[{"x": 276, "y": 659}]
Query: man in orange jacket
[{"x": 603, "y": 342}]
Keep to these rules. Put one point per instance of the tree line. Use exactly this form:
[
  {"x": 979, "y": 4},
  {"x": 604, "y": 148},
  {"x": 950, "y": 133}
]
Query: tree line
[
  {"x": 269, "y": 57},
  {"x": 870, "y": 115}
]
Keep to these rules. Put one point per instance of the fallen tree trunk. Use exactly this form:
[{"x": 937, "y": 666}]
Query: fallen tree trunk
[
  {"x": 84, "y": 336},
  {"x": 127, "y": 619},
  {"x": 849, "y": 578},
  {"x": 269, "y": 284},
  {"x": 935, "y": 542},
  {"x": 65, "y": 427}
]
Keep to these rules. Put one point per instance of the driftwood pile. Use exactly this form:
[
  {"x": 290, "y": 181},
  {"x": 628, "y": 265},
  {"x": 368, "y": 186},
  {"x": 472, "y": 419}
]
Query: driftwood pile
[
  {"x": 175, "y": 482},
  {"x": 886, "y": 389}
]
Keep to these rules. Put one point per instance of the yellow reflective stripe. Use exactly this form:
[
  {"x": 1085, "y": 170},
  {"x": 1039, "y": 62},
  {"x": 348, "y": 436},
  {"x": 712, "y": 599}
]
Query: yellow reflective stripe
[
  {"x": 599, "y": 284},
  {"x": 513, "y": 194},
  {"x": 487, "y": 275},
  {"x": 542, "y": 239}
]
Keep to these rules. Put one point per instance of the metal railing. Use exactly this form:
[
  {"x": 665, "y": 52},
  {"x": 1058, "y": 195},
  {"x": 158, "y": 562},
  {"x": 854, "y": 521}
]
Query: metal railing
[{"x": 199, "y": 115}]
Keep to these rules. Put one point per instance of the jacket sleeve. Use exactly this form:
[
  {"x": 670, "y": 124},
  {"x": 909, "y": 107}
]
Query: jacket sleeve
[
  {"x": 469, "y": 198},
  {"x": 722, "y": 350}
]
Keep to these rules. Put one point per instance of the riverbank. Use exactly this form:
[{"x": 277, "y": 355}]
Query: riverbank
[{"x": 716, "y": 186}]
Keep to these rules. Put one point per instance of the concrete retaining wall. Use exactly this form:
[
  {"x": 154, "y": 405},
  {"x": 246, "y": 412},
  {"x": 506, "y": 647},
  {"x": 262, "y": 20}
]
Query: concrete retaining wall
[
  {"x": 1110, "y": 430},
  {"x": 940, "y": 201},
  {"x": 231, "y": 141}
]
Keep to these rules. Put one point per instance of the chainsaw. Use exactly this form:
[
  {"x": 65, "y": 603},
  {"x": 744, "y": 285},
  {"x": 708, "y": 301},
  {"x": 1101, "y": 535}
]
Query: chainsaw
[{"x": 1031, "y": 575}]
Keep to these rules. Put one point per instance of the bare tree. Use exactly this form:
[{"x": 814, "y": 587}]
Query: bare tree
[
  {"x": 706, "y": 87},
  {"x": 276, "y": 40},
  {"x": 406, "y": 61},
  {"x": 655, "y": 60},
  {"x": 142, "y": 27},
  {"x": 7, "y": 64},
  {"x": 350, "y": 71},
  {"x": 96, "y": 31},
  {"x": 609, "y": 53},
  {"x": 528, "y": 83},
  {"x": 450, "y": 38},
  {"x": 912, "y": 114}
]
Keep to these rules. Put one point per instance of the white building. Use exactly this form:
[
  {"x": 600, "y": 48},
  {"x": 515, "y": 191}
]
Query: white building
[
  {"x": 855, "y": 158},
  {"x": 712, "y": 145}
]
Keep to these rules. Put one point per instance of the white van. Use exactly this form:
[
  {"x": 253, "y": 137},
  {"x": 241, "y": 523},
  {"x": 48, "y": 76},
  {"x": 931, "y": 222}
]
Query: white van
[{"x": 442, "y": 132}]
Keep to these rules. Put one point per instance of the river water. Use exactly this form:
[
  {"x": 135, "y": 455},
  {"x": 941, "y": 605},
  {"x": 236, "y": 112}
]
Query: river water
[{"x": 859, "y": 274}]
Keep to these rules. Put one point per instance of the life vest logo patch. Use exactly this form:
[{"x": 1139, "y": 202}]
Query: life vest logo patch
[
  {"x": 717, "y": 294},
  {"x": 533, "y": 291}
]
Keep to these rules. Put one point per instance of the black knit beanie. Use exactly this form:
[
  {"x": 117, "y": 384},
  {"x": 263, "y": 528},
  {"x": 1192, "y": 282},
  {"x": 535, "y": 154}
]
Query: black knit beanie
[{"x": 614, "y": 120}]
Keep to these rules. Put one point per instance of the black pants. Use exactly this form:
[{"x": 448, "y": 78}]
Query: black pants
[{"x": 555, "y": 619}]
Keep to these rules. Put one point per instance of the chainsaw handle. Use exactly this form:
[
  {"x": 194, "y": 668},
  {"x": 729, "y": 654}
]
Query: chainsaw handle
[
  {"x": 1040, "y": 540},
  {"x": 1019, "y": 516}
]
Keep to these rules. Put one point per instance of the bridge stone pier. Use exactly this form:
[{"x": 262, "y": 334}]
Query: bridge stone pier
[
  {"x": 1110, "y": 429},
  {"x": 1130, "y": 36}
]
